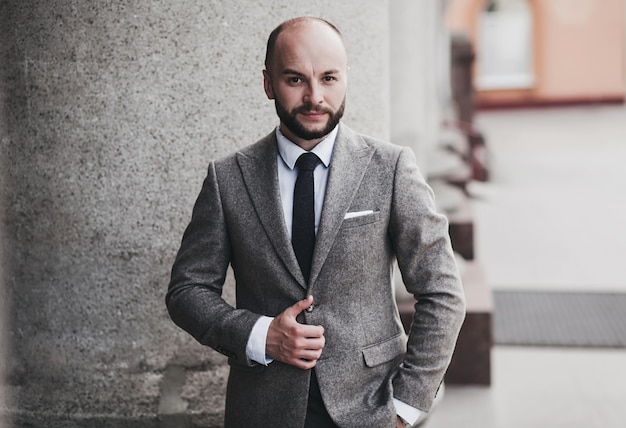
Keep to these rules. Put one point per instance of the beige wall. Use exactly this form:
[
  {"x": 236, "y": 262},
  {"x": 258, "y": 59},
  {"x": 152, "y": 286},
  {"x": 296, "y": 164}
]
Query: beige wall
[
  {"x": 582, "y": 50},
  {"x": 578, "y": 50}
]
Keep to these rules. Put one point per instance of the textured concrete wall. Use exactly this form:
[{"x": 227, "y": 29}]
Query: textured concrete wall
[
  {"x": 3, "y": 303},
  {"x": 109, "y": 114}
]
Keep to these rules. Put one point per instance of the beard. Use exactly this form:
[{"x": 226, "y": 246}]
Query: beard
[{"x": 291, "y": 122}]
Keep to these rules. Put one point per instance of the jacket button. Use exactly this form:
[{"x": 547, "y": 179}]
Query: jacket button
[{"x": 309, "y": 309}]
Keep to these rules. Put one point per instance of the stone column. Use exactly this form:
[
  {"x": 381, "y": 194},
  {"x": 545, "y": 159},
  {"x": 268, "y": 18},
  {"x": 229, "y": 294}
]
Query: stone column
[
  {"x": 419, "y": 83},
  {"x": 109, "y": 114},
  {"x": 3, "y": 321},
  {"x": 419, "y": 74}
]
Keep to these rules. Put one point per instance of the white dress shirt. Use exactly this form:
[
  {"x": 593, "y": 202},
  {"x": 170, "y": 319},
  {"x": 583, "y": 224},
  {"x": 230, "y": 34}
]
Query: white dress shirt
[{"x": 287, "y": 156}]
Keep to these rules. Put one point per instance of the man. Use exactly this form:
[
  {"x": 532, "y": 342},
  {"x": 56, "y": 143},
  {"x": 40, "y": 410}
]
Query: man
[{"x": 315, "y": 339}]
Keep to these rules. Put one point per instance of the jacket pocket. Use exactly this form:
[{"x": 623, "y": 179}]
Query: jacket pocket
[
  {"x": 360, "y": 220},
  {"x": 384, "y": 351}
]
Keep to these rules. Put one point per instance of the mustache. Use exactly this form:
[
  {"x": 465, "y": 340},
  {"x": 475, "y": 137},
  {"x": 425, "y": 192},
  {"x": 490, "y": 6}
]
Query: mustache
[{"x": 308, "y": 108}]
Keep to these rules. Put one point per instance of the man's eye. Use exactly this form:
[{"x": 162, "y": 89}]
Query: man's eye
[
  {"x": 294, "y": 80},
  {"x": 329, "y": 78}
]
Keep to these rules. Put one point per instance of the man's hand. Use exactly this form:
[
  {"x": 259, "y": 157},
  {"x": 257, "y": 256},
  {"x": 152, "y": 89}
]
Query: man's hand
[
  {"x": 293, "y": 343},
  {"x": 400, "y": 423}
]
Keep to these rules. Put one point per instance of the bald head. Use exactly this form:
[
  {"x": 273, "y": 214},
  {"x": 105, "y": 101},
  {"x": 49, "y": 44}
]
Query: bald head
[
  {"x": 306, "y": 74},
  {"x": 294, "y": 24}
]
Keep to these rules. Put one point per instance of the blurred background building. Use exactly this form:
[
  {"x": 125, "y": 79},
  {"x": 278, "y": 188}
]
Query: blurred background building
[{"x": 544, "y": 52}]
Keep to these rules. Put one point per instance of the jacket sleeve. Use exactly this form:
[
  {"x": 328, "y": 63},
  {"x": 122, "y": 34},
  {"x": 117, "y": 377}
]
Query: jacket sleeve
[
  {"x": 194, "y": 298},
  {"x": 429, "y": 272}
]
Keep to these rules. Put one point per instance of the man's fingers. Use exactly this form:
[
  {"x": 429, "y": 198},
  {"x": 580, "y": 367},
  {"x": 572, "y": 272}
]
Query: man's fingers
[
  {"x": 311, "y": 331},
  {"x": 295, "y": 309},
  {"x": 309, "y": 354},
  {"x": 309, "y": 343},
  {"x": 304, "y": 330},
  {"x": 293, "y": 343},
  {"x": 302, "y": 364}
]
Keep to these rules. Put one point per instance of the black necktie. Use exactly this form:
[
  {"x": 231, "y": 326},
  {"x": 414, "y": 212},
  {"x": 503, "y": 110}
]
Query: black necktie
[{"x": 303, "y": 228}]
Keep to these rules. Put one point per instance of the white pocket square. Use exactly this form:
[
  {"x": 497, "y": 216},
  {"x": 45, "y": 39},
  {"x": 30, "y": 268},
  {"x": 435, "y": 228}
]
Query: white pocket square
[{"x": 358, "y": 214}]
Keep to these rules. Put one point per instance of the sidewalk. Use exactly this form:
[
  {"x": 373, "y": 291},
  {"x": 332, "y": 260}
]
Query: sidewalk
[
  {"x": 552, "y": 218},
  {"x": 554, "y": 214}
]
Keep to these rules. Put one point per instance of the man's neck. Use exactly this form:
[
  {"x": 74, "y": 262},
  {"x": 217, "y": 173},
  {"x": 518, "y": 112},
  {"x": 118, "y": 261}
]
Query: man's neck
[{"x": 307, "y": 145}]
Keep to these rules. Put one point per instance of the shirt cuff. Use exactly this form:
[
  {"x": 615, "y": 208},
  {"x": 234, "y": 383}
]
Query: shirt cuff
[
  {"x": 407, "y": 413},
  {"x": 255, "y": 348}
]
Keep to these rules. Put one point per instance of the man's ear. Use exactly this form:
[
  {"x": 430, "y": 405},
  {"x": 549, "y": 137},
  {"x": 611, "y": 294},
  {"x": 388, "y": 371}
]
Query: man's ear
[{"x": 267, "y": 85}]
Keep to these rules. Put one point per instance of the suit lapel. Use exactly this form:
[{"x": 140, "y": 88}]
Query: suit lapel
[
  {"x": 260, "y": 175},
  {"x": 348, "y": 165}
]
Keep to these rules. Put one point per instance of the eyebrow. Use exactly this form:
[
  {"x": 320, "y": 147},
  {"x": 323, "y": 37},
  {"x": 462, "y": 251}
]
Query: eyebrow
[{"x": 289, "y": 71}]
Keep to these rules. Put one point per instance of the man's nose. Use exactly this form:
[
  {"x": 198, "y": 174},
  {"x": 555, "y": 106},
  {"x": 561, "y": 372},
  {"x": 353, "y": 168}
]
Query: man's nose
[{"x": 313, "y": 94}]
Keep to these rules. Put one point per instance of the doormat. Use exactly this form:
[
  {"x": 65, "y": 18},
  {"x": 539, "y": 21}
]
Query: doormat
[{"x": 560, "y": 319}]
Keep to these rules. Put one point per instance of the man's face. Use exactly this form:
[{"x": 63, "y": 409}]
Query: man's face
[{"x": 307, "y": 79}]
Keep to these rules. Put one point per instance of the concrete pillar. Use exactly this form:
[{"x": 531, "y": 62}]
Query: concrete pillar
[
  {"x": 419, "y": 74},
  {"x": 3, "y": 326},
  {"x": 418, "y": 81},
  {"x": 109, "y": 114}
]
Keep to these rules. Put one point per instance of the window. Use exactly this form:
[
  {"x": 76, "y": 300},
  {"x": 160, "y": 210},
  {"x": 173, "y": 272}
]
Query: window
[{"x": 505, "y": 46}]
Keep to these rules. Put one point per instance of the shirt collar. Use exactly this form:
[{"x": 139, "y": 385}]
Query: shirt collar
[{"x": 290, "y": 151}]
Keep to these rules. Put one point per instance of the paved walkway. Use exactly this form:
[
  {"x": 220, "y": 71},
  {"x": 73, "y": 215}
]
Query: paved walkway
[{"x": 553, "y": 217}]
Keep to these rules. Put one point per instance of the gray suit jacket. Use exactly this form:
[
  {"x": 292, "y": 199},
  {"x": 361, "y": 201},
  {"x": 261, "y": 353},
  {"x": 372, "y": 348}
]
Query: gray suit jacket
[{"x": 238, "y": 220}]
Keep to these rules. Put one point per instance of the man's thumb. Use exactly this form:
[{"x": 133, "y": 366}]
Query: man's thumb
[{"x": 300, "y": 305}]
